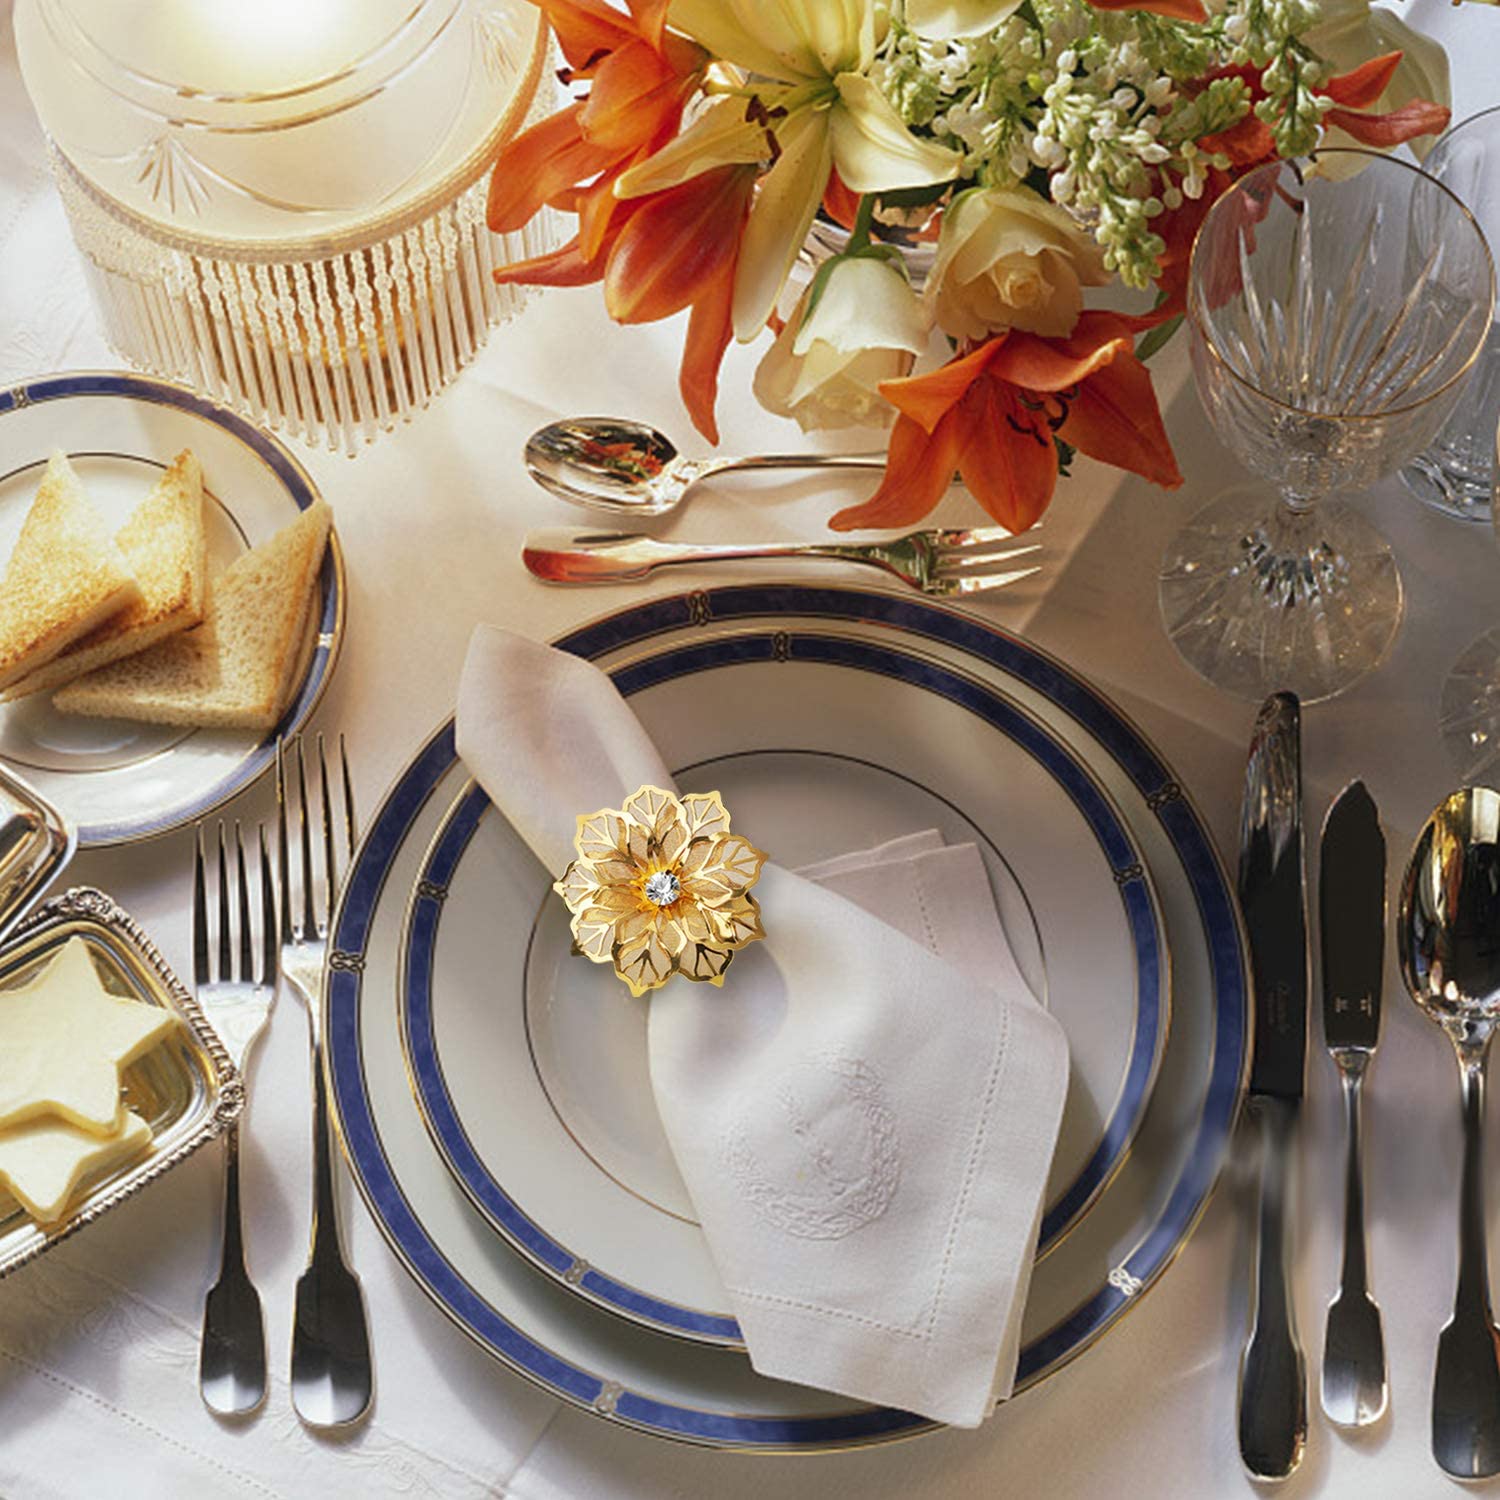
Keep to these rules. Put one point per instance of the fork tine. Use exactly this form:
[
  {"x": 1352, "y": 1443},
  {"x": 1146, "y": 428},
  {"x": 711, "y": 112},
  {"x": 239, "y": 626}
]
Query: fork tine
[
  {"x": 330, "y": 855},
  {"x": 283, "y": 861},
  {"x": 200, "y": 912},
  {"x": 225, "y": 945},
  {"x": 974, "y": 536},
  {"x": 309, "y": 916},
  {"x": 247, "y": 961},
  {"x": 988, "y": 581},
  {"x": 349, "y": 820},
  {"x": 959, "y": 558},
  {"x": 267, "y": 915}
]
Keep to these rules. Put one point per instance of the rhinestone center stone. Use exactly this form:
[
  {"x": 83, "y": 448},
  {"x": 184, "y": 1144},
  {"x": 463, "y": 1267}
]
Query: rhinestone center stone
[{"x": 663, "y": 888}]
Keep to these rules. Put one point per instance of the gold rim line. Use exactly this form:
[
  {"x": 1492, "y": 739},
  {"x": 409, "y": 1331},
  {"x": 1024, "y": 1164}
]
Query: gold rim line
[{"x": 1221, "y": 359}]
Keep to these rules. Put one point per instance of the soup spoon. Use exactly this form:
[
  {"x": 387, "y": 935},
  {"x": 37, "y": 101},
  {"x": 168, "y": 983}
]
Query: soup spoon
[
  {"x": 1448, "y": 940},
  {"x": 607, "y": 463}
]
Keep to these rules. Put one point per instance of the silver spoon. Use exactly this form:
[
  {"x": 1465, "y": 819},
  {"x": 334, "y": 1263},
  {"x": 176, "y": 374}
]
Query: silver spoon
[
  {"x": 606, "y": 463},
  {"x": 1448, "y": 940}
]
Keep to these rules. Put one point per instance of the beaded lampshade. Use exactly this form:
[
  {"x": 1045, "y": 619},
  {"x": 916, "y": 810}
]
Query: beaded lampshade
[{"x": 282, "y": 202}]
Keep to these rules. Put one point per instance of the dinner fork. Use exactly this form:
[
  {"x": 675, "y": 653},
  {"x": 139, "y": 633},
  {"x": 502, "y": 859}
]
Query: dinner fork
[
  {"x": 331, "y": 1373},
  {"x": 934, "y": 562},
  {"x": 232, "y": 1353}
]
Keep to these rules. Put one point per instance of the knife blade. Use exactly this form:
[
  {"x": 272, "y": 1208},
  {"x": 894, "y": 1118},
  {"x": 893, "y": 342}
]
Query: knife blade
[
  {"x": 1351, "y": 904},
  {"x": 1351, "y": 900},
  {"x": 1273, "y": 898},
  {"x": 1273, "y": 1372}
]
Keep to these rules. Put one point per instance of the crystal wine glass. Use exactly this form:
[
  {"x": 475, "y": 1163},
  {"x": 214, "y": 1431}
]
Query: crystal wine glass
[
  {"x": 1469, "y": 710},
  {"x": 1335, "y": 304}
]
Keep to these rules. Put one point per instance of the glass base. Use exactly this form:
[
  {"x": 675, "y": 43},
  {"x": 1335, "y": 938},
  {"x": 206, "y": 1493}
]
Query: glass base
[
  {"x": 1259, "y": 599},
  {"x": 1446, "y": 490},
  {"x": 1469, "y": 712}
]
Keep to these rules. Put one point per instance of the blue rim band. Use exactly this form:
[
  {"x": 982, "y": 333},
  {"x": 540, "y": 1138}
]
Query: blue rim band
[
  {"x": 299, "y": 489},
  {"x": 1217, "y": 912},
  {"x": 1115, "y": 843}
]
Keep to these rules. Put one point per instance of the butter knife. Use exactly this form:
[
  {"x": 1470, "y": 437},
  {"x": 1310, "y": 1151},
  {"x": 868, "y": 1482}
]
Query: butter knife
[
  {"x": 1351, "y": 900},
  {"x": 1273, "y": 1372}
]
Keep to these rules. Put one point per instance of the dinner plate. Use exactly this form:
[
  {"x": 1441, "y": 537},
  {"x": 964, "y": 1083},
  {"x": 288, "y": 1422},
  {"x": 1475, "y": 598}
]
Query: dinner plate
[
  {"x": 676, "y": 1388},
  {"x": 115, "y": 781},
  {"x": 533, "y": 1077}
]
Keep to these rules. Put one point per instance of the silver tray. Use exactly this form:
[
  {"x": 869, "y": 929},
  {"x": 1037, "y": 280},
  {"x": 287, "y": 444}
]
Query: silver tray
[{"x": 186, "y": 1088}]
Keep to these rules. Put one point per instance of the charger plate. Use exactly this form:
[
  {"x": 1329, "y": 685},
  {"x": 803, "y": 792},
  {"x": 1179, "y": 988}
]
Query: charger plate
[
  {"x": 119, "y": 782},
  {"x": 531, "y": 1072},
  {"x": 678, "y": 1389}
]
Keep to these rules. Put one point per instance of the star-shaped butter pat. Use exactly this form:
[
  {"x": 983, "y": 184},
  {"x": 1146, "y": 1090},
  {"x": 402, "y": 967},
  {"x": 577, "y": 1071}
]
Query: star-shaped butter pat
[
  {"x": 64, "y": 1039},
  {"x": 45, "y": 1159}
]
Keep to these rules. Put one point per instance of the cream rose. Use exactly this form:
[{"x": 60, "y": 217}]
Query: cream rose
[
  {"x": 826, "y": 366},
  {"x": 1007, "y": 258}
]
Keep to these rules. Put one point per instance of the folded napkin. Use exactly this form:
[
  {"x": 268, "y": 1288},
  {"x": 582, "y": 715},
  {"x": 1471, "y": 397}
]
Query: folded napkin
[{"x": 865, "y": 1130}]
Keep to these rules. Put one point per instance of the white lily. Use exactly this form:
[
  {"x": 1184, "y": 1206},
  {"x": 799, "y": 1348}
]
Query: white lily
[
  {"x": 950, "y": 20},
  {"x": 1350, "y": 32},
  {"x": 816, "y": 110}
]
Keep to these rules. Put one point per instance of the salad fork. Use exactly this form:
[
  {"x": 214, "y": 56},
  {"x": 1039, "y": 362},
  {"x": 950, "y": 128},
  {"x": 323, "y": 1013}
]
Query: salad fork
[
  {"x": 232, "y": 1354},
  {"x": 332, "y": 1380},
  {"x": 935, "y": 562}
]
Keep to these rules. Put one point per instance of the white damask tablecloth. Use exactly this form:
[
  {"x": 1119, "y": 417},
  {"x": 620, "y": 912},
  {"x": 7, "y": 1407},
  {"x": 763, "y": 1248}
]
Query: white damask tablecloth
[{"x": 98, "y": 1340}]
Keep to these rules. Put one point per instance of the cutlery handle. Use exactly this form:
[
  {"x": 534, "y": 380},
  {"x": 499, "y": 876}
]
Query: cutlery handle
[
  {"x": 707, "y": 466},
  {"x": 1273, "y": 1376},
  {"x": 561, "y": 556},
  {"x": 1354, "y": 1276},
  {"x": 326, "y": 1243},
  {"x": 1466, "y": 1376}
]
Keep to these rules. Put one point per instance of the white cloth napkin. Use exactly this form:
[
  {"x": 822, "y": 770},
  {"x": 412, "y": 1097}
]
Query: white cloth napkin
[{"x": 865, "y": 1130}]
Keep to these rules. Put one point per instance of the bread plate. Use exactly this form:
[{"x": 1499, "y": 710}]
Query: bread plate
[{"x": 120, "y": 782}]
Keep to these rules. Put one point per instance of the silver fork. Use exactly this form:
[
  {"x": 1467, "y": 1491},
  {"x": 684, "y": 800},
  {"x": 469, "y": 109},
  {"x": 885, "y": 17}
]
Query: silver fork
[
  {"x": 232, "y": 1354},
  {"x": 935, "y": 562},
  {"x": 332, "y": 1379}
]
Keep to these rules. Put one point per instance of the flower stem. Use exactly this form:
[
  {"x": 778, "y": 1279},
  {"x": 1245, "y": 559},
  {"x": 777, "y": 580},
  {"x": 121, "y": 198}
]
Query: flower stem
[{"x": 859, "y": 236}]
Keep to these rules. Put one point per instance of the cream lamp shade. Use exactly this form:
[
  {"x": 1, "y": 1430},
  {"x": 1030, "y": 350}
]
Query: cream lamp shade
[{"x": 281, "y": 202}]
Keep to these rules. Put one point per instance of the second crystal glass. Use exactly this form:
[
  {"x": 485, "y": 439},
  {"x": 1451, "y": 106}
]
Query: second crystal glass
[{"x": 1336, "y": 305}]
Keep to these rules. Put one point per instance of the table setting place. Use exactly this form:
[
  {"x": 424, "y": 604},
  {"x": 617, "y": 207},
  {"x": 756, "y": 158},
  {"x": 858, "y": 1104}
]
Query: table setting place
[{"x": 630, "y": 869}]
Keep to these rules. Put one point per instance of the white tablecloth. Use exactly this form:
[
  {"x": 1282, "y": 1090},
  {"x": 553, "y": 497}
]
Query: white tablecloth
[{"x": 98, "y": 1340}]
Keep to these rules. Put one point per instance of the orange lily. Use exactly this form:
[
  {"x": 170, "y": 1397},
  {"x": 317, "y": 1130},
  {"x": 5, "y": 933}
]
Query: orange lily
[
  {"x": 660, "y": 253},
  {"x": 640, "y": 76},
  {"x": 995, "y": 415}
]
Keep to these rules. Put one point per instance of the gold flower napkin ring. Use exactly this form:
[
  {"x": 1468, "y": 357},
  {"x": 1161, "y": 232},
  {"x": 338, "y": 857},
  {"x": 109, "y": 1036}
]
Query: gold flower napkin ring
[{"x": 661, "y": 887}]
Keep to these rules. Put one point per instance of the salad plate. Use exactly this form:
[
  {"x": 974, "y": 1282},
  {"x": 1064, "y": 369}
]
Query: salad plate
[{"x": 531, "y": 1074}]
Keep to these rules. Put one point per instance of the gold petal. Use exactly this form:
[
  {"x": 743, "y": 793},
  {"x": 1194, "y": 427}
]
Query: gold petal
[
  {"x": 595, "y": 938},
  {"x": 577, "y": 885},
  {"x": 600, "y": 834},
  {"x": 702, "y": 961},
  {"x": 643, "y": 965},
  {"x": 731, "y": 866},
  {"x": 738, "y": 922},
  {"x": 705, "y": 815},
  {"x": 648, "y": 805}
]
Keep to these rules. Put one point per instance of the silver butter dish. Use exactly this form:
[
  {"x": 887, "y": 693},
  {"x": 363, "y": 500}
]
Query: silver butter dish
[{"x": 185, "y": 1088}]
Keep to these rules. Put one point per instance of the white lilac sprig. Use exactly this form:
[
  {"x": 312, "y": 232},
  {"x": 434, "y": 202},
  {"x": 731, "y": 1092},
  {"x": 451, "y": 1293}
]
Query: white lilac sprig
[{"x": 1104, "y": 110}]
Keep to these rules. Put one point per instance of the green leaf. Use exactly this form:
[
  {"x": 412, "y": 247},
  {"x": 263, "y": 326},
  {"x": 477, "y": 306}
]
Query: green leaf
[{"x": 1158, "y": 338}]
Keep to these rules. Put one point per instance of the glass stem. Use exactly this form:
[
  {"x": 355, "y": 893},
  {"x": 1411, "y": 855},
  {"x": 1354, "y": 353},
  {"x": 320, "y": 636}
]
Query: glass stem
[{"x": 1298, "y": 503}]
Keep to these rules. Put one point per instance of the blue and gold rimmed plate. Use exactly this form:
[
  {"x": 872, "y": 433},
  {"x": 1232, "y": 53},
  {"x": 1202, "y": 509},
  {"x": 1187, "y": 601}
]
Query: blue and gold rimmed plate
[
  {"x": 532, "y": 1076},
  {"x": 119, "y": 782},
  {"x": 785, "y": 642}
]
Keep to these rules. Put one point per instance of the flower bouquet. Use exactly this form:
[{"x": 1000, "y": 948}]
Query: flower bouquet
[{"x": 1034, "y": 148}]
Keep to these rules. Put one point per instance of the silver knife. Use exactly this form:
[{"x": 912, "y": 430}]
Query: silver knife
[
  {"x": 1273, "y": 1373},
  {"x": 1351, "y": 901}
]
